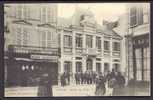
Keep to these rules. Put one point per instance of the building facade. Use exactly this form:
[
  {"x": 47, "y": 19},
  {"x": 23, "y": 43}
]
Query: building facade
[
  {"x": 87, "y": 46},
  {"x": 35, "y": 36},
  {"x": 31, "y": 45},
  {"x": 138, "y": 41}
]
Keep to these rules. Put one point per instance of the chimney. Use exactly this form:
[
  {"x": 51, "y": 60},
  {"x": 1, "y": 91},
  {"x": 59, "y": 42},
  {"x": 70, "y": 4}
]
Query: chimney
[{"x": 110, "y": 25}]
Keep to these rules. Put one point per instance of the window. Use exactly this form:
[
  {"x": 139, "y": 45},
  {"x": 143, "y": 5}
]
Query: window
[
  {"x": 145, "y": 18},
  {"x": 116, "y": 67},
  {"x": 46, "y": 38},
  {"x": 23, "y": 12},
  {"x": 140, "y": 16},
  {"x": 98, "y": 42},
  {"x": 146, "y": 14},
  {"x": 67, "y": 66},
  {"x": 25, "y": 36},
  {"x": 49, "y": 39},
  {"x": 106, "y": 67},
  {"x": 116, "y": 46},
  {"x": 89, "y": 64},
  {"x": 98, "y": 59},
  {"x": 78, "y": 66},
  {"x": 106, "y": 45},
  {"x": 78, "y": 40},
  {"x": 98, "y": 67},
  {"x": 133, "y": 16},
  {"x": 45, "y": 15},
  {"x": 18, "y": 35},
  {"x": 22, "y": 36},
  {"x": 67, "y": 41},
  {"x": 78, "y": 58},
  {"x": 89, "y": 41}
]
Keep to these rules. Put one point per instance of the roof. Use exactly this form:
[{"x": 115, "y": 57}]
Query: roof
[{"x": 67, "y": 22}]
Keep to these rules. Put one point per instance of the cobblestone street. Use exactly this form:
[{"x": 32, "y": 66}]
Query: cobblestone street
[{"x": 77, "y": 90}]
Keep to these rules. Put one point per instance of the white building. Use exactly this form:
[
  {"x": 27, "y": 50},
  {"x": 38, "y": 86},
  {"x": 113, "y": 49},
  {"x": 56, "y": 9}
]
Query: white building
[{"x": 85, "y": 45}]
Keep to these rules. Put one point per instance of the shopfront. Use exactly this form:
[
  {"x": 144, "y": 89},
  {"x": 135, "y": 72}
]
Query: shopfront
[
  {"x": 26, "y": 68},
  {"x": 141, "y": 58}
]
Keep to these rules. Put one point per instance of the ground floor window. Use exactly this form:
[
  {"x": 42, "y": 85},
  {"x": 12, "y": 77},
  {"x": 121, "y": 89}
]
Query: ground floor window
[
  {"x": 116, "y": 67},
  {"x": 67, "y": 66},
  {"x": 142, "y": 64},
  {"x": 106, "y": 67},
  {"x": 98, "y": 67},
  {"x": 78, "y": 66}
]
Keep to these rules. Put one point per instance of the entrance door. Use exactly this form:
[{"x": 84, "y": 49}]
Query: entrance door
[{"x": 89, "y": 65}]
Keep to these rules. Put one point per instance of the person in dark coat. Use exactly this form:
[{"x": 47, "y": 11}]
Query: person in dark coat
[
  {"x": 113, "y": 74},
  {"x": 94, "y": 77},
  {"x": 45, "y": 86},
  {"x": 108, "y": 76},
  {"x": 77, "y": 78},
  {"x": 120, "y": 82},
  {"x": 68, "y": 77},
  {"x": 120, "y": 79},
  {"x": 63, "y": 80},
  {"x": 100, "y": 86},
  {"x": 90, "y": 77},
  {"x": 86, "y": 77},
  {"x": 82, "y": 77}
]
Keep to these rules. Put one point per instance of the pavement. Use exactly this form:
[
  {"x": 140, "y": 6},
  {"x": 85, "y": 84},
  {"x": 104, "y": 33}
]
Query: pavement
[{"x": 72, "y": 90}]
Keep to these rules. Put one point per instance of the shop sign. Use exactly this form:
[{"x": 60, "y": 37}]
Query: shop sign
[{"x": 43, "y": 57}]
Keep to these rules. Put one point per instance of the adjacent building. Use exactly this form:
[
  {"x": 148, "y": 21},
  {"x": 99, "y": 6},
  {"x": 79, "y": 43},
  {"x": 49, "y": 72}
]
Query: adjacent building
[
  {"x": 31, "y": 44},
  {"x": 138, "y": 41}
]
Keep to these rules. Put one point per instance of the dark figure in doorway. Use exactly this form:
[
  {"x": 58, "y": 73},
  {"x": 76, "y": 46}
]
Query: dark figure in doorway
[{"x": 45, "y": 86}]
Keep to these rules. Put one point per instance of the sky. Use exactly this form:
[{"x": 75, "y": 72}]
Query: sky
[{"x": 107, "y": 11}]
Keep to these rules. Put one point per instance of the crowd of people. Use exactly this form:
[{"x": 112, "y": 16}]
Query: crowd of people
[
  {"x": 110, "y": 83},
  {"x": 111, "y": 80}
]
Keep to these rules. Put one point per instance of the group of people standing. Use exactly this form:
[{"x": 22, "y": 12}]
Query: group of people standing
[
  {"x": 110, "y": 83},
  {"x": 65, "y": 79},
  {"x": 89, "y": 77}
]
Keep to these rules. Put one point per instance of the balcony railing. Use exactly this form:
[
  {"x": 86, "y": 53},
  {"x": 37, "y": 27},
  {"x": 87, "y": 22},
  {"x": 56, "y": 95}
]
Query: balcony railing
[{"x": 91, "y": 51}]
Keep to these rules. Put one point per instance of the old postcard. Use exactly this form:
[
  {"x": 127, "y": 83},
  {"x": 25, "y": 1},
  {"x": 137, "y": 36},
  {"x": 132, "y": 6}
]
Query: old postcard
[{"x": 77, "y": 49}]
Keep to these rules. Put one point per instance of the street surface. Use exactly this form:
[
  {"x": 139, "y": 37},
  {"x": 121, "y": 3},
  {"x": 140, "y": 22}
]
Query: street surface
[{"x": 71, "y": 90}]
